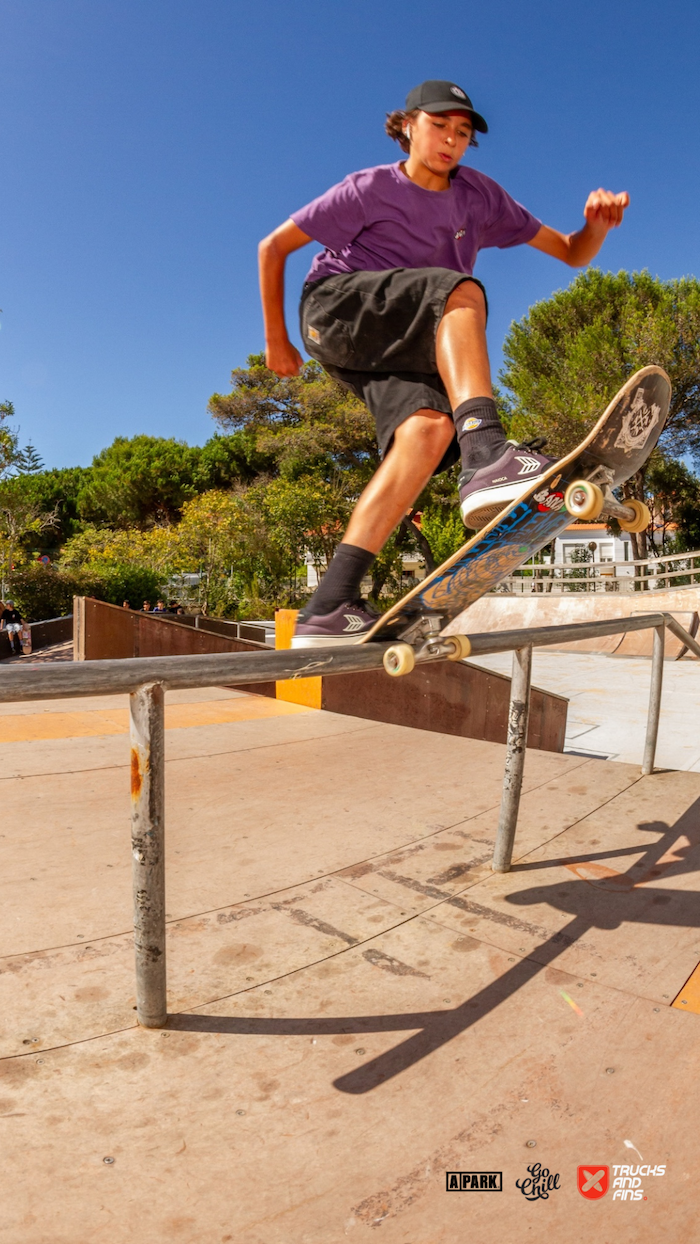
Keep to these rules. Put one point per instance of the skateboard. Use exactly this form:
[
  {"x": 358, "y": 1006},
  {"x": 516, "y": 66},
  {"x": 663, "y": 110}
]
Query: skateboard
[
  {"x": 579, "y": 486},
  {"x": 26, "y": 639}
]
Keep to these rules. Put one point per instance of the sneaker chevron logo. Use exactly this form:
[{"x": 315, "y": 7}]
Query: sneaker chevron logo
[
  {"x": 353, "y": 623},
  {"x": 528, "y": 465}
]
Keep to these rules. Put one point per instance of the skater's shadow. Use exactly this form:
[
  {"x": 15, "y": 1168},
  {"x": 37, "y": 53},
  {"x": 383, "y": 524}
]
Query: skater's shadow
[{"x": 594, "y": 895}]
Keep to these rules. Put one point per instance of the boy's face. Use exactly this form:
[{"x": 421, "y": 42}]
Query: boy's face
[{"x": 440, "y": 139}]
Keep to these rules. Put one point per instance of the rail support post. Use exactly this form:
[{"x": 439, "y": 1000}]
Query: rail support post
[
  {"x": 657, "y": 675},
  {"x": 148, "y": 851},
  {"x": 518, "y": 716}
]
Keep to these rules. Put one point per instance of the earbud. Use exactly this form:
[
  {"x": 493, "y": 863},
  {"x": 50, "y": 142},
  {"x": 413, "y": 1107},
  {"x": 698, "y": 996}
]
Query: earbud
[{"x": 408, "y": 132}]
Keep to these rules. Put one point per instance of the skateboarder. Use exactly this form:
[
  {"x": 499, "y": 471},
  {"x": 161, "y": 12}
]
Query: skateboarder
[{"x": 391, "y": 309}]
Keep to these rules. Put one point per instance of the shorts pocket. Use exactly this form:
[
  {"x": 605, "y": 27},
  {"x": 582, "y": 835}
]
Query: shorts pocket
[{"x": 326, "y": 338}]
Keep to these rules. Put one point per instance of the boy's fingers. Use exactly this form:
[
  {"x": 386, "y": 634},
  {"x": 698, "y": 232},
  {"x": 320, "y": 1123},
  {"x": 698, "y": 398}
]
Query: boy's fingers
[{"x": 607, "y": 207}]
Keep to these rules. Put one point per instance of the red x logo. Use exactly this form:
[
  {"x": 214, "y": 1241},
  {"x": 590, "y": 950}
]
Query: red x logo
[{"x": 592, "y": 1181}]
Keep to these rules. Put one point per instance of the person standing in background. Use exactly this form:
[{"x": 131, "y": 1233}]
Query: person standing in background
[{"x": 11, "y": 621}]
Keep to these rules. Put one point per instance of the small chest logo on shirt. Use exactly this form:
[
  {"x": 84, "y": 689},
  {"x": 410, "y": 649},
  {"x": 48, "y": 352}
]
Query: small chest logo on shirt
[
  {"x": 460, "y": 234},
  {"x": 313, "y": 333}
]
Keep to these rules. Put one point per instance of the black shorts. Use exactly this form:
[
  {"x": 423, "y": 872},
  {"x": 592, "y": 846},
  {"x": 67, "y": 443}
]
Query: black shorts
[{"x": 375, "y": 333}]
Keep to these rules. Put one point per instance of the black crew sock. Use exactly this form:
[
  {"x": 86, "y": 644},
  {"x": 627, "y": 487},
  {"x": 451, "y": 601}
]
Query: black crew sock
[
  {"x": 341, "y": 582},
  {"x": 479, "y": 432}
]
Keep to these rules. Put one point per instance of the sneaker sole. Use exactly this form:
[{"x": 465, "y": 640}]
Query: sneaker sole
[
  {"x": 490, "y": 502},
  {"x": 324, "y": 641}
]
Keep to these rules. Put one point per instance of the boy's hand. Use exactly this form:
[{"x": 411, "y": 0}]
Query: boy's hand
[
  {"x": 283, "y": 358},
  {"x": 604, "y": 210}
]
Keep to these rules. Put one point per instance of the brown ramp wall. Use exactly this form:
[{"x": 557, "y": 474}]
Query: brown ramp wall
[
  {"x": 451, "y": 697},
  {"x": 104, "y": 632}
]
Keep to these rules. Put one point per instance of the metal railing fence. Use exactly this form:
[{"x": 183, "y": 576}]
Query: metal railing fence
[
  {"x": 562, "y": 578},
  {"x": 147, "y": 679}
]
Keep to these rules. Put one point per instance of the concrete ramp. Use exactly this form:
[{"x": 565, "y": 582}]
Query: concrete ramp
[
  {"x": 358, "y": 1005},
  {"x": 503, "y": 613}
]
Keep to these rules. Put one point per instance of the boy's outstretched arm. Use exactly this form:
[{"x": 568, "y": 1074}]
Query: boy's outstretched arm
[
  {"x": 603, "y": 211},
  {"x": 280, "y": 355}
]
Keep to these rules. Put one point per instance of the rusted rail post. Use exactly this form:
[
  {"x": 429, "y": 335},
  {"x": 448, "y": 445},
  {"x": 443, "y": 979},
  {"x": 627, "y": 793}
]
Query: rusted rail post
[
  {"x": 148, "y": 851},
  {"x": 657, "y": 675},
  {"x": 516, "y": 743}
]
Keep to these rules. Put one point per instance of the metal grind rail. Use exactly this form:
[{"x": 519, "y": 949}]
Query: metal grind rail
[{"x": 147, "y": 679}]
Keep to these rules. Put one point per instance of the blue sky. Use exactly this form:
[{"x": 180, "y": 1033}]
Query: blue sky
[{"x": 147, "y": 145}]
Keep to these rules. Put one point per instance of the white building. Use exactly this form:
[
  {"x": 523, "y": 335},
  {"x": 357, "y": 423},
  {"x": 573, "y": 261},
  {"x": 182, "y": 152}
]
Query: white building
[{"x": 599, "y": 543}]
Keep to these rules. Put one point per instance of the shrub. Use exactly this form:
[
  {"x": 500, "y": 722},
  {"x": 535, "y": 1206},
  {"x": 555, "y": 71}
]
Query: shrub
[{"x": 42, "y": 592}]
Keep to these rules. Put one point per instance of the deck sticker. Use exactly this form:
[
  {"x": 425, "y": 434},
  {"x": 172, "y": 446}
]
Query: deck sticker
[
  {"x": 637, "y": 424},
  {"x": 549, "y": 500}
]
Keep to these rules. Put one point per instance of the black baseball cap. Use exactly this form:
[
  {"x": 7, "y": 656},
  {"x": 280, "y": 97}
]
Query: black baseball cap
[{"x": 434, "y": 96}]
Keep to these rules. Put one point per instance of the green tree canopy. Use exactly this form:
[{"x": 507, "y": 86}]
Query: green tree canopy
[
  {"x": 306, "y": 423},
  {"x": 138, "y": 482},
  {"x": 226, "y": 461},
  {"x": 570, "y": 354},
  {"x": 9, "y": 441},
  {"x": 674, "y": 500},
  {"x": 46, "y": 493}
]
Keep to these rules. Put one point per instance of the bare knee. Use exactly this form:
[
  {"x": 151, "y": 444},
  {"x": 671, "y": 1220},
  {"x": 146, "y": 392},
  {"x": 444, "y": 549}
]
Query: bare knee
[
  {"x": 427, "y": 433},
  {"x": 467, "y": 297}
]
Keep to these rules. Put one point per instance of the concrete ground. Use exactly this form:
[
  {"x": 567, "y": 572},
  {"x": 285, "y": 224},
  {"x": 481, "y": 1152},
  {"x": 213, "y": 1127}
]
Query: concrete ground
[
  {"x": 359, "y": 1005},
  {"x": 608, "y": 701}
]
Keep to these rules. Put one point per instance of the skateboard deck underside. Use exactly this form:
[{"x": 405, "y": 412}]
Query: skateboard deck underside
[{"x": 621, "y": 441}]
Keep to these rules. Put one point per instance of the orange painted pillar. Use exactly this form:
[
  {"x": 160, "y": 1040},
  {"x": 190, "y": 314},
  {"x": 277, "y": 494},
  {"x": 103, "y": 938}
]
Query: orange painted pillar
[{"x": 305, "y": 691}]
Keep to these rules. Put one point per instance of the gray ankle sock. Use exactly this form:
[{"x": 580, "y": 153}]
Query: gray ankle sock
[{"x": 479, "y": 432}]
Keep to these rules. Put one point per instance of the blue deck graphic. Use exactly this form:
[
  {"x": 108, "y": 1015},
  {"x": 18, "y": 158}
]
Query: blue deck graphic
[{"x": 521, "y": 533}]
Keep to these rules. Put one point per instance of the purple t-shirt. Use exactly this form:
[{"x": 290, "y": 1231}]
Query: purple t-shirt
[{"x": 378, "y": 219}]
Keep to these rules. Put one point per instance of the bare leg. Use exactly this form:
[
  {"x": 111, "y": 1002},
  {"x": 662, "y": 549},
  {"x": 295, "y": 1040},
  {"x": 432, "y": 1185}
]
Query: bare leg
[
  {"x": 419, "y": 444},
  {"x": 462, "y": 356}
]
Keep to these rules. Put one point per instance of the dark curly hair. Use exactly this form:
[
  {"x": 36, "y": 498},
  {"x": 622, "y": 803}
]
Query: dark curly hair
[{"x": 394, "y": 128}]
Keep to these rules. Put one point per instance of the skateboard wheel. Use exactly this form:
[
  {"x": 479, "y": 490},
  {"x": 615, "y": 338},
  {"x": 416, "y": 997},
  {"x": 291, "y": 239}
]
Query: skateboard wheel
[
  {"x": 399, "y": 659},
  {"x": 462, "y": 647},
  {"x": 641, "y": 519},
  {"x": 584, "y": 499}
]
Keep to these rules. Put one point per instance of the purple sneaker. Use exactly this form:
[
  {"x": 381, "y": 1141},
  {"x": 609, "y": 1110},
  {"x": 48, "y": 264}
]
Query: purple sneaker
[
  {"x": 484, "y": 492},
  {"x": 345, "y": 625}
]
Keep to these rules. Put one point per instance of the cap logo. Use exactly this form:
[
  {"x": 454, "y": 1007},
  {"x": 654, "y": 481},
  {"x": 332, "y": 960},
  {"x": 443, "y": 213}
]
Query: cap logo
[{"x": 456, "y": 90}]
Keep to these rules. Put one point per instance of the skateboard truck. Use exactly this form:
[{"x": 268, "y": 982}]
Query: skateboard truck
[
  {"x": 586, "y": 499},
  {"x": 401, "y": 658}
]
